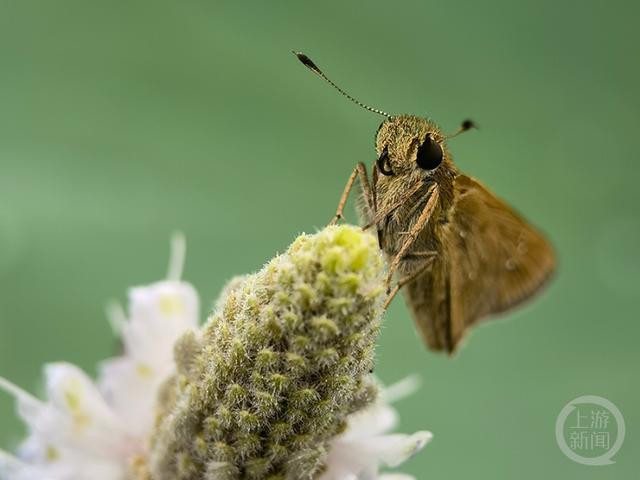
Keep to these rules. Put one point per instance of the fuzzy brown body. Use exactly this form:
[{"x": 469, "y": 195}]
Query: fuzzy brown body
[{"x": 474, "y": 257}]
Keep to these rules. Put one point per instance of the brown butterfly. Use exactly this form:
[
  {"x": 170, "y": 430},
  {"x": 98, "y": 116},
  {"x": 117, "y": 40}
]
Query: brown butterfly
[{"x": 460, "y": 252}]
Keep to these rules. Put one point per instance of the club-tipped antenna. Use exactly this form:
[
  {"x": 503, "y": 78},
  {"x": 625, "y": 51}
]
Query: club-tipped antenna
[
  {"x": 464, "y": 127},
  {"x": 307, "y": 62}
]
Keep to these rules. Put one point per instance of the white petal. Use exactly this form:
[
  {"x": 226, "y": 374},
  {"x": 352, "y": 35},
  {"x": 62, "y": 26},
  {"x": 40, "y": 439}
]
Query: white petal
[
  {"x": 73, "y": 464},
  {"x": 74, "y": 435},
  {"x": 131, "y": 388},
  {"x": 9, "y": 465},
  {"x": 176, "y": 259},
  {"x": 392, "y": 450},
  {"x": 28, "y": 405},
  {"x": 72, "y": 391},
  {"x": 349, "y": 460},
  {"x": 363, "y": 456},
  {"x": 373, "y": 420},
  {"x": 84, "y": 470},
  {"x": 339, "y": 470},
  {"x": 168, "y": 300},
  {"x": 45, "y": 423},
  {"x": 84, "y": 420},
  {"x": 116, "y": 317},
  {"x": 159, "y": 314},
  {"x": 399, "y": 390}
]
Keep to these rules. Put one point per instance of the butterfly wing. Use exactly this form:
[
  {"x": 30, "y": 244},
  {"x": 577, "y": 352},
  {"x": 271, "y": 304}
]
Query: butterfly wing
[
  {"x": 492, "y": 260},
  {"x": 428, "y": 298}
]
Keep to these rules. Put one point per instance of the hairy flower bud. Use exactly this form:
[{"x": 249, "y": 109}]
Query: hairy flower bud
[{"x": 277, "y": 369}]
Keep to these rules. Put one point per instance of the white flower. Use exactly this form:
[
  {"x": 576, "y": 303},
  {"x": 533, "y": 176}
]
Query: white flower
[
  {"x": 73, "y": 435},
  {"x": 100, "y": 431},
  {"x": 363, "y": 447},
  {"x": 159, "y": 314},
  {"x": 87, "y": 431}
]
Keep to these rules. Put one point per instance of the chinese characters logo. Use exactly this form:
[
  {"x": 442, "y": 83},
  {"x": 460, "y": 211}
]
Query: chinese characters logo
[{"x": 590, "y": 430}]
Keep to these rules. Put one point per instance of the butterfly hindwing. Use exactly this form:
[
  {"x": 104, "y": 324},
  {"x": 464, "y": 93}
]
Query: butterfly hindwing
[
  {"x": 499, "y": 261},
  {"x": 491, "y": 260}
]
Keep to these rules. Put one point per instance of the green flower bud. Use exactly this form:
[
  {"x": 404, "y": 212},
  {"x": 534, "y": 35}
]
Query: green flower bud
[{"x": 278, "y": 367}]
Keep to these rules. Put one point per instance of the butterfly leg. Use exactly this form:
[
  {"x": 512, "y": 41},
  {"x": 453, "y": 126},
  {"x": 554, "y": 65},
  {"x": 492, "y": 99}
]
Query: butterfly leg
[
  {"x": 361, "y": 172},
  {"x": 374, "y": 201},
  {"x": 413, "y": 234},
  {"x": 415, "y": 256},
  {"x": 403, "y": 281},
  {"x": 379, "y": 216}
]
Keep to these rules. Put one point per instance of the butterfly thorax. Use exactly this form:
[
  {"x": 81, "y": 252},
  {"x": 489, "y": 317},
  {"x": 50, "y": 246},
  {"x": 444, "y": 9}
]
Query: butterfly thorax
[{"x": 411, "y": 186}]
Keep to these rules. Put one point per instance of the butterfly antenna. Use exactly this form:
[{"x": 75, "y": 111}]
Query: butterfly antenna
[
  {"x": 307, "y": 62},
  {"x": 464, "y": 126}
]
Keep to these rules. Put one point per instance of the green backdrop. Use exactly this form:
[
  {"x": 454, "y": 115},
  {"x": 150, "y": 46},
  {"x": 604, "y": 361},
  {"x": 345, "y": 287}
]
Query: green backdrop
[{"x": 123, "y": 121}]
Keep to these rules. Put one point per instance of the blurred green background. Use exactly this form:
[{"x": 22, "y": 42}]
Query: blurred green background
[{"x": 123, "y": 121}]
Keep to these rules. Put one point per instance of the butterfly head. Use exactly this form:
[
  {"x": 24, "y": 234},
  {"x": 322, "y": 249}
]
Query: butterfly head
[{"x": 411, "y": 145}]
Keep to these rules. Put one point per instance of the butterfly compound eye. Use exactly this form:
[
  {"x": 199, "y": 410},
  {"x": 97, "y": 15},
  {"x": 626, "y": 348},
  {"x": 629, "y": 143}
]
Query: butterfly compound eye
[
  {"x": 429, "y": 154},
  {"x": 383, "y": 163}
]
